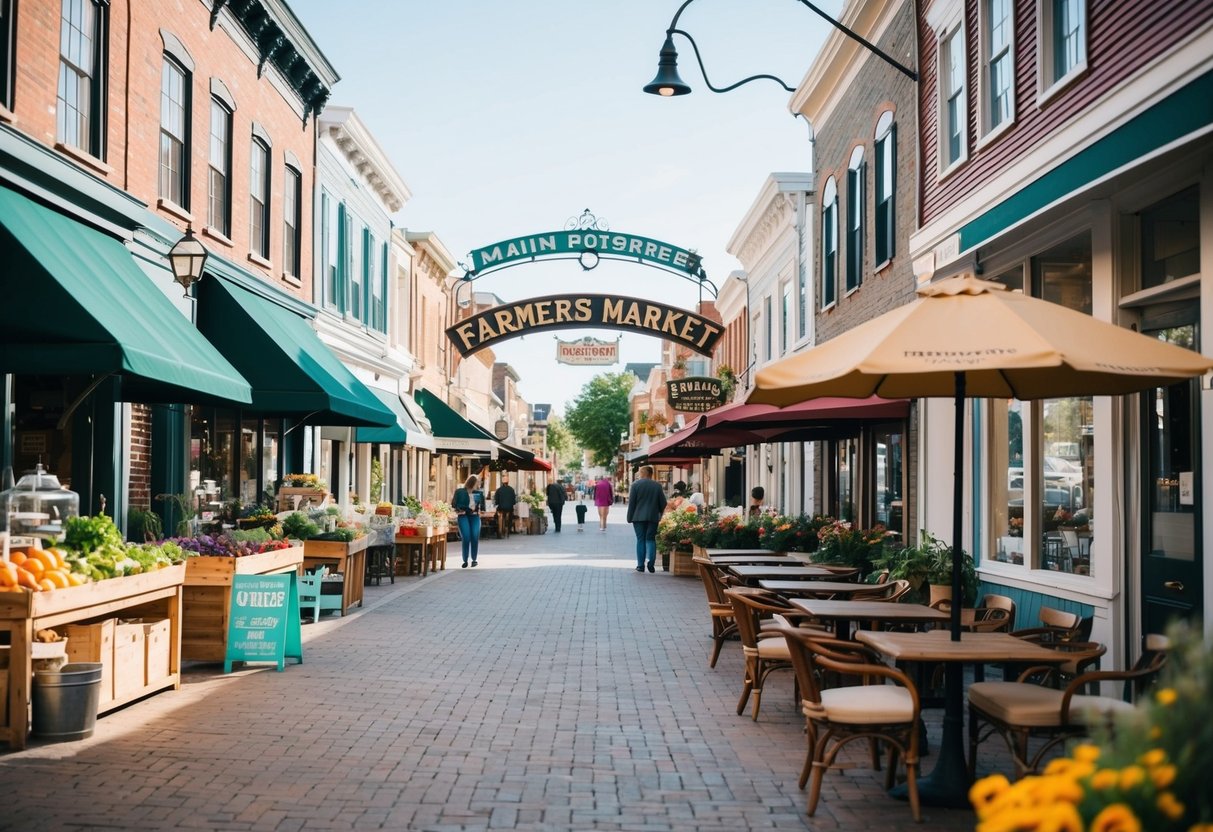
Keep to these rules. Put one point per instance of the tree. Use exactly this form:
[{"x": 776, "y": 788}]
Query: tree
[{"x": 600, "y": 414}]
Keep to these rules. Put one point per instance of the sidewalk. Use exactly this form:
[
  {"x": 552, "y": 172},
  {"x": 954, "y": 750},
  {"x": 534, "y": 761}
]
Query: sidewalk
[{"x": 550, "y": 688}]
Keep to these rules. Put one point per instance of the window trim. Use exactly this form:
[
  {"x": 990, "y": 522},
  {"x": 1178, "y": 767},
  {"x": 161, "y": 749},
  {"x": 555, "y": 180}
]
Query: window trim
[
  {"x": 829, "y": 243},
  {"x": 261, "y": 247},
  {"x": 98, "y": 94},
  {"x": 886, "y": 131},
  {"x": 856, "y": 213},
  {"x": 293, "y": 241},
  {"x": 985, "y": 132},
  {"x": 945, "y": 165},
  {"x": 224, "y": 228},
  {"x": 1047, "y": 90},
  {"x": 185, "y": 139}
]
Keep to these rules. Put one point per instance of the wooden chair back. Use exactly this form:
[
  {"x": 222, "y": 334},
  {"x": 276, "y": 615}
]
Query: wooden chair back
[
  {"x": 1000, "y": 608},
  {"x": 709, "y": 573},
  {"x": 1059, "y": 619}
]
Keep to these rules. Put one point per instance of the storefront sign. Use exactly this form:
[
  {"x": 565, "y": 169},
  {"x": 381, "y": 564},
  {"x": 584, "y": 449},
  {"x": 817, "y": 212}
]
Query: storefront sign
[
  {"x": 697, "y": 394},
  {"x": 587, "y": 351},
  {"x": 512, "y": 320},
  {"x": 264, "y": 624},
  {"x": 591, "y": 242},
  {"x": 501, "y": 429}
]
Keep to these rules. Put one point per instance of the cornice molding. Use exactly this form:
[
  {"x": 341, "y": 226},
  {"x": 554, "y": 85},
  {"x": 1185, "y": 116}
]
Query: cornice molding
[{"x": 359, "y": 147}]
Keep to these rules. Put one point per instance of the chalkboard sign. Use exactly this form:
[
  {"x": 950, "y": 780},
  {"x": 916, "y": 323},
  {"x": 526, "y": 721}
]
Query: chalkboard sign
[{"x": 264, "y": 625}]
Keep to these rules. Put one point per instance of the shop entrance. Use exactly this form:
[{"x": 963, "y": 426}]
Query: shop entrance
[{"x": 1171, "y": 551}]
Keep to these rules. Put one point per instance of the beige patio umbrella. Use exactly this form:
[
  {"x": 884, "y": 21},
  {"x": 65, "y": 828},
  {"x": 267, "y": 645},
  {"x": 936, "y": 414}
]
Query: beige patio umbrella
[{"x": 965, "y": 337}]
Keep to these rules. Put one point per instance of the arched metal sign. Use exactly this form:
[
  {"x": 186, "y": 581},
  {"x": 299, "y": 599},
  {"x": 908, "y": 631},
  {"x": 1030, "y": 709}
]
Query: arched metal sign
[{"x": 511, "y": 320}]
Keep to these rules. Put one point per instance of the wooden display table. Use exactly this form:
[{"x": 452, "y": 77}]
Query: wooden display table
[
  {"x": 347, "y": 558},
  {"x": 430, "y": 549},
  {"x": 208, "y": 597},
  {"x": 24, "y": 613}
]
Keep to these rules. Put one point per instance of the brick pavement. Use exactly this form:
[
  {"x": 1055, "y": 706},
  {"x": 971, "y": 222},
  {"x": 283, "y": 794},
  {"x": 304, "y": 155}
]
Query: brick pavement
[{"x": 551, "y": 688}]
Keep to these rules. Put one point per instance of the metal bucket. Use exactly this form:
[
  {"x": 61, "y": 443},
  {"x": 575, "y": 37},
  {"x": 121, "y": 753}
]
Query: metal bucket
[{"x": 65, "y": 701}]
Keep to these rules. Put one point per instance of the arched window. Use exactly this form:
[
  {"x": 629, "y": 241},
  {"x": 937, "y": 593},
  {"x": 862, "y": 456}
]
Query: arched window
[
  {"x": 855, "y": 213},
  {"x": 886, "y": 188},
  {"x": 829, "y": 243}
]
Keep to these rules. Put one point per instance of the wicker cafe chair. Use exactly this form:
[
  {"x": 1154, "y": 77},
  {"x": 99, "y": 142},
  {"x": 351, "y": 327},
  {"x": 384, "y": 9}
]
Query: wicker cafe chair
[
  {"x": 1021, "y": 710},
  {"x": 724, "y": 626},
  {"x": 1055, "y": 625},
  {"x": 766, "y": 650},
  {"x": 846, "y": 698}
]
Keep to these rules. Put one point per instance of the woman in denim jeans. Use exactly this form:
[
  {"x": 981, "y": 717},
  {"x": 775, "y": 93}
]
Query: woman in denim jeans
[{"x": 465, "y": 503}]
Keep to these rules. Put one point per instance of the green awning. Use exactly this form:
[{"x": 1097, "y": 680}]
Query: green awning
[
  {"x": 77, "y": 303},
  {"x": 290, "y": 369},
  {"x": 404, "y": 432},
  {"x": 453, "y": 434}
]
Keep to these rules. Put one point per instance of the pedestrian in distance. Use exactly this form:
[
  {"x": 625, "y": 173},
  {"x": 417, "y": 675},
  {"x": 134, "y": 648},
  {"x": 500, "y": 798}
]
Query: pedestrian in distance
[
  {"x": 466, "y": 503},
  {"x": 581, "y": 509},
  {"x": 505, "y": 499},
  {"x": 555, "y": 495},
  {"x": 646, "y": 504},
  {"x": 696, "y": 499},
  {"x": 757, "y": 495},
  {"x": 604, "y": 496}
]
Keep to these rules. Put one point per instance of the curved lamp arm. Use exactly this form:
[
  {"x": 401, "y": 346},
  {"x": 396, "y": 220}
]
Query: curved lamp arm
[{"x": 704, "y": 72}]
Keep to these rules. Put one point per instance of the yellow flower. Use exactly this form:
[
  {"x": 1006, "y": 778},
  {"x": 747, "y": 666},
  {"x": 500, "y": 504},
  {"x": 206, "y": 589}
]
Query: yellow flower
[
  {"x": 983, "y": 793},
  {"x": 1153, "y": 757},
  {"x": 1063, "y": 817},
  {"x": 1116, "y": 818},
  {"x": 1131, "y": 776},
  {"x": 1105, "y": 778},
  {"x": 1166, "y": 697},
  {"x": 1201, "y": 827},
  {"x": 1012, "y": 820},
  {"x": 1162, "y": 776},
  {"x": 1169, "y": 806},
  {"x": 1065, "y": 767},
  {"x": 1086, "y": 752}
]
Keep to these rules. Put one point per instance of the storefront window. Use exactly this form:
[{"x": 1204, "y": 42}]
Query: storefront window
[
  {"x": 888, "y": 444},
  {"x": 271, "y": 452},
  {"x": 842, "y": 479},
  {"x": 223, "y": 453},
  {"x": 1007, "y": 479},
  {"x": 1170, "y": 239}
]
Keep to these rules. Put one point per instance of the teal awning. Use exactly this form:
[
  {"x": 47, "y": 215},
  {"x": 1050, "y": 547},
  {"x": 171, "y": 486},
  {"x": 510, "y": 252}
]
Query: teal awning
[
  {"x": 453, "y": 434},
  {"x": 290, "y": 369},
  {"x": 77, "y": 303},
  {"x": 404, "y": 432}
]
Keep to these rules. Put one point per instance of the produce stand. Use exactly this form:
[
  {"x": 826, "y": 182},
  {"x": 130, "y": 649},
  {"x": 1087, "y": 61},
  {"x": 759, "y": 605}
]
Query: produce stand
[
  {"x": 430, "y": 550},
  {"x": 157, "y": 593},
  {"x": 208, "y": 597},
  {"x": 347, "y": 558}
]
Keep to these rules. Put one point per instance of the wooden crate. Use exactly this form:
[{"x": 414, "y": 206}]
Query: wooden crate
[
  {"x": 156, "y": 651},
  {"x": 682, "y": 563},
  {"x": 129, "y": 659},
  {"x": 207, "y": 597},
  {"x": 94, "y": 642}
]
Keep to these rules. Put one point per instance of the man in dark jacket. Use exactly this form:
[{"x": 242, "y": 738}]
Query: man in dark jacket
[
  {"x": 646, "y": 503},
  {"x": 555, "y": 495},
  {"x": 505, "y": 499}
]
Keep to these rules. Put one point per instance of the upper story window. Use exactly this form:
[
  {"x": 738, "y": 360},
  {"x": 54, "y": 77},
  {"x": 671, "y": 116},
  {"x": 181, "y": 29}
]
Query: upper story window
[
  {"x": 80, "y": 105},
  {"x": 997, "y": 65},
  {"x": 379, "y": 288},
  {"x": 953, "y": 104},
  {"x": 355, "y": 247},
  {"x": 829, "y": 243},
  {"x": 259, "y": 199},
  {"x": 886, "y": 188},
  {"x": 1063, "y": 42},
  {"x": 174, "y": 133},
  {"x": 8, "y": 51},
  {"x": 219, "y": 172},
  {"x": 332, "y": 254},
  {"x": 855, "y": 213},
  {"x": 292, "y": 220},
  {"x": 802, "y": 296},
  {"x": 768, "y": 330},
  {"x": 785, "y": 318}
]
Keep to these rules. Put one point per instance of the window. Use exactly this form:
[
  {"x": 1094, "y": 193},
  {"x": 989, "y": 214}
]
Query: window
[
  {"x": 886, "y": 188},
  {"x": 259, "y": 199},
  {"x": 80, "y": 105},
  {"x": 1170, "y": 239},
  {"x": 953, "y": 105},
  {"x": 292, "y": 220},
  {"x": 997, "y": 65},
  {"x": 855, "y": 210},
  {"x": 352, "y": 287},
  {"x": 1063, "y": 41},
  {"x": 219, "y": 173},
  {"x": 174, "y": 133},
  {"x": 8, "y": 50},
  {"x": 785, "y": 318},
  {"x": 829, "y": 243},
  {"x": 768, "y": 332},
  {"x": 802, "y": 296},
  {"x": 379, "y": 292},
  {"x": 332, "y": 222}
]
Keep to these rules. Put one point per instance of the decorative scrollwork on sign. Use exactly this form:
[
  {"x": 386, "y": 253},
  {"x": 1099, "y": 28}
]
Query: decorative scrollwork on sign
[{"x": 586, "y": 221}]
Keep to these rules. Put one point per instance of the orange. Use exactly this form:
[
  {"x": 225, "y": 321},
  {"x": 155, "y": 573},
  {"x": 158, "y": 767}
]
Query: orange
[
  {"x": 17, "y": 557},
  {"x": 46, "y": 584},
  {"x": 8, "y": 573},
  {"x": 49, "y": 561},
  {"x": 35, "y": 567},
  {"x": 56, "y": 577},
  {"x": 25, "y": 578}
]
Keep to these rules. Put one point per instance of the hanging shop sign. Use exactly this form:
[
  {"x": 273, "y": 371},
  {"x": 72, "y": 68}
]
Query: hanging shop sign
[
  {"x": 512, "y": 320},
  {"x": 264, "y": 625},
  {"x": 587, "y": 246},
  {"x": 697, "y": 394},
  {"x": 587, "y": 351}
]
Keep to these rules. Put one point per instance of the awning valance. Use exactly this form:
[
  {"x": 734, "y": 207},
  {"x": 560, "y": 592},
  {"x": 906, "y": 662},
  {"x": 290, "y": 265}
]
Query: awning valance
[
  {"x": 290, "y": 369},
  {"x": 77, "y": 303},
  {"x": 454, "y": 434},
  {"x": 404, "y": 432}
]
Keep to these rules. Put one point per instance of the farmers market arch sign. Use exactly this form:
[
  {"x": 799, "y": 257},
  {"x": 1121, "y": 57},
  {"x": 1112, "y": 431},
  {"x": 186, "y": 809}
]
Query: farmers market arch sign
[{"x": 587, "y": 239}]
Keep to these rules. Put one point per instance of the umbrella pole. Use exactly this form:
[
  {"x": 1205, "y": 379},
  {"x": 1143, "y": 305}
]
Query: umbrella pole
[{"x": 958, "y": 506}]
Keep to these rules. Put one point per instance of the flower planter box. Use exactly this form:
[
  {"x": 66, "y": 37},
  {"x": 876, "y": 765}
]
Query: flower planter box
[
  {"x": 682, "y": 563},
  {"x": 208, "y": 597},
  {"x": 347, "y": 558}
]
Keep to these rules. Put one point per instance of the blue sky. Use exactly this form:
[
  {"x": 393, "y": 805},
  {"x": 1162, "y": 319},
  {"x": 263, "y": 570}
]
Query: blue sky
[{"x": 507, "y": 118}]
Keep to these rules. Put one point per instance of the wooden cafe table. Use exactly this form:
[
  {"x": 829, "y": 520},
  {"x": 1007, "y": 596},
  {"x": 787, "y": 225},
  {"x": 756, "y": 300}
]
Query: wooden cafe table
[
  {"x": 948, "y": 784},
  {"x": 714, "y": 553},
  {"x": 833, "y": 589},
  {"x": 842, "y": 613},
  {"x": 769, "y": 559},
  {"x": 798, "y": 572}
]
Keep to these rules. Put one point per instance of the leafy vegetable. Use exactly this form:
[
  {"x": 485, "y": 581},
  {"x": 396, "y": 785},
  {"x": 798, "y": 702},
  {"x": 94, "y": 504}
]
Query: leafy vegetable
[{"x": 88, "y": 534}]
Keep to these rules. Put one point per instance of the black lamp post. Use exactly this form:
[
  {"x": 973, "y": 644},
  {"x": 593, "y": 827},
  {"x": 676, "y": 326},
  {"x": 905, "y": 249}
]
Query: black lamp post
[
  {"x": 668, "y": 83},
  {"x": 187, "y": 258}
]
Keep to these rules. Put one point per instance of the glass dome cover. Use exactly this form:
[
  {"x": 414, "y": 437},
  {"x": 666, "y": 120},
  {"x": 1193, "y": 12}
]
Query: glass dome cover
[{"x": 37, "y": 505}]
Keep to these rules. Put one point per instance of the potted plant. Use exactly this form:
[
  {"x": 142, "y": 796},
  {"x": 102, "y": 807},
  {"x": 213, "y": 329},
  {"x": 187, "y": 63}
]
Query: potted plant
[
  {"x": 839, "y": 543},
  {"x": 939, "y": 571}
]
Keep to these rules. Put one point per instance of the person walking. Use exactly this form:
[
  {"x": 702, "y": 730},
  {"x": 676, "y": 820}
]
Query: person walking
[
  {"x": 505, "y": 499},
  {"x": 604, "y": 496},
  {"x": 555, "y": 495},
  {"x": 646, "y": 503},
  {"x": 466, "y": 503}
]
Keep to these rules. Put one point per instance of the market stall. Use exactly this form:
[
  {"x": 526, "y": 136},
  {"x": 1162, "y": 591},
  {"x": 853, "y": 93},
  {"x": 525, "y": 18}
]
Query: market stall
[{"x": 345, "y": 557}]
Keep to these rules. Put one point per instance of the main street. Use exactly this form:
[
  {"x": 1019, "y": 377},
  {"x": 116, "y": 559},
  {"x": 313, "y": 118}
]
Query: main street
[{"x": 550, "y": 688}]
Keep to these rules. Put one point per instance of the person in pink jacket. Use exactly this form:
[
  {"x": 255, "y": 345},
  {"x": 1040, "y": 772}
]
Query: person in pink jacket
[{"x": 604, "y": 496}]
